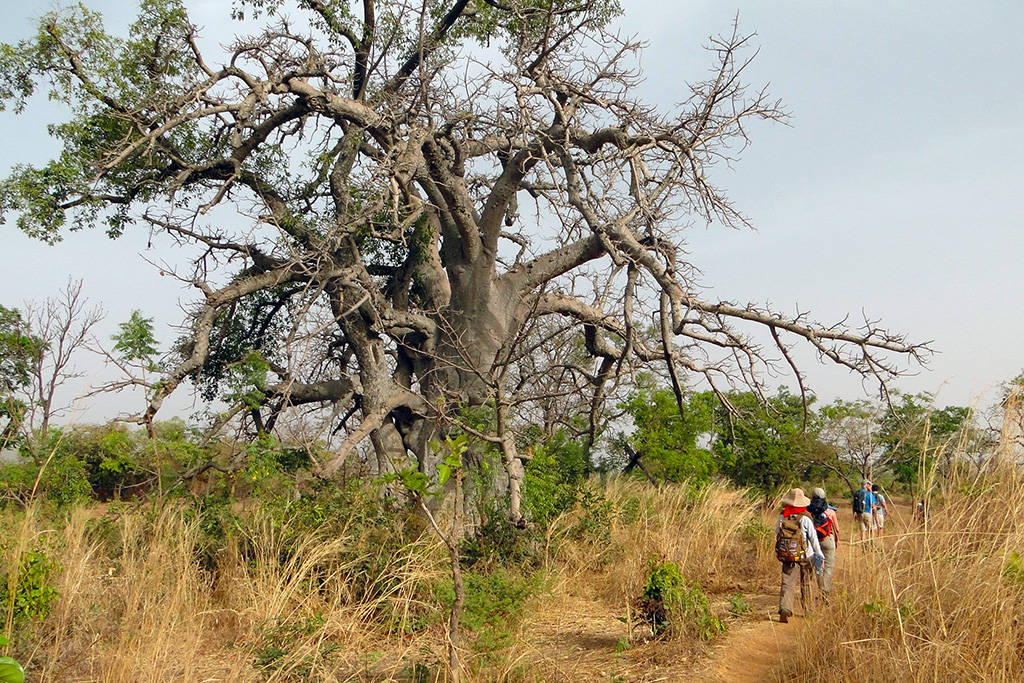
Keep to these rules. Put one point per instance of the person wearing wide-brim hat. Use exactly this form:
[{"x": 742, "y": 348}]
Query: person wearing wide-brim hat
[{"x": 796, "y": 567}]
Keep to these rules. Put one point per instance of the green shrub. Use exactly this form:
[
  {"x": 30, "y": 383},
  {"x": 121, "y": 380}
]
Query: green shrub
[
  {"x": 494, "y": 605},
  {"x": 33, "y": 595},
  {"x": 671, "y": 605},
  {"x": 738, "y": 604},
  {"x": 553, "y": 479}
]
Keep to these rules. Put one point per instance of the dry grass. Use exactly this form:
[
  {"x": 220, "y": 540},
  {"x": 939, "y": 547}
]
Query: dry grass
[
  {"x": 715, "y": 535},
  {"x": 935, "y": 601},
  {"x": 141, "y": 600},
  {"x": 137, "y": 605}
]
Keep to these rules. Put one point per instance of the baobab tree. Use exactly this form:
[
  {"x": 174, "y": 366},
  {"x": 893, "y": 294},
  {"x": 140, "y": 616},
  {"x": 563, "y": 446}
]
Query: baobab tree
[{"x": 383, "y": 205}]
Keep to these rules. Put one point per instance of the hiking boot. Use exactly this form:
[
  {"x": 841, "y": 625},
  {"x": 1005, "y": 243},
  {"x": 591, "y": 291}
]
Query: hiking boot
[{"x": 784, "y": 616}]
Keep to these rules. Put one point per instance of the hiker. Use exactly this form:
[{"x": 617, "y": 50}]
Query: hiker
[
  {"x": 826, "y": 526},
  {"x": 881, "y": 510},
  {"x": 863, "y": 510},
  {"x": 796, "y": 546}
]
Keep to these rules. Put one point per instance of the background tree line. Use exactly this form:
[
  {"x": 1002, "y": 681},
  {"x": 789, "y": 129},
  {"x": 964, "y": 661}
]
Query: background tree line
[{"x": 754, "y": 441}]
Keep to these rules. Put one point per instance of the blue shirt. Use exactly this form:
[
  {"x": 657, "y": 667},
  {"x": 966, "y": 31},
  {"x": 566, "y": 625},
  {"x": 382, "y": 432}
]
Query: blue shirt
[{"x": 869, "y": 500}]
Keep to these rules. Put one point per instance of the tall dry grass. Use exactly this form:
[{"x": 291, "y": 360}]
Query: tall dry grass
[
  {"x": 143, "y": 597},
  {"x": 934, "y": 600},
  {"x": 138, "y": 601},
  {"x": 715, "y": 534}
]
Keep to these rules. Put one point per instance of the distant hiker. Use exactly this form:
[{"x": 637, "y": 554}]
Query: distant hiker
[
  {"x": 863, "y": 510},
  {"x": 881, "y": 510},
  {"x": 921, "y": 513},
  {"x": 796, "y": 546},
  {"x": 826, "y": 526}
]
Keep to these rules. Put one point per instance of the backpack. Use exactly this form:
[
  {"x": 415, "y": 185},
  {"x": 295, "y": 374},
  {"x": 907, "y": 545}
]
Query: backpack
[
  {"x": 790, "y": 545},
  {"x": 822, "y": 523},
  {"x": 822, "y": 526},
  {"x": 859, "y": 504}
]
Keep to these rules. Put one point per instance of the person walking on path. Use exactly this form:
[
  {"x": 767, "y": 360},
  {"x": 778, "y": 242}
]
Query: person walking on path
[
  {"x": 796, "y": 546},
  {"x": 826, "y": 526},
  {"x": 881, "y": 510},
  {"x": 863, "y": 510}
]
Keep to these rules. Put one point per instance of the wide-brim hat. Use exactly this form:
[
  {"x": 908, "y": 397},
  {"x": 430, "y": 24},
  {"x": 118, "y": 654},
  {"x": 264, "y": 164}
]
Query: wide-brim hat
[{"x": 796, "y": 498}]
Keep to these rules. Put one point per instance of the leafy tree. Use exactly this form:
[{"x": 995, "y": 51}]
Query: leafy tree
[
  {"x": 913, "y": 433},
  {"x": 135, "y": 341},
  {"x": 370, "y": 243},
  {"x": 764, "y": 445},
  {"x": 19, "y": 356},
  {"x": 666, "y": 442}
]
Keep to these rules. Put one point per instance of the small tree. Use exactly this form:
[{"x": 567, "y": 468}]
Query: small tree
[{"x": 852, "y": 432}]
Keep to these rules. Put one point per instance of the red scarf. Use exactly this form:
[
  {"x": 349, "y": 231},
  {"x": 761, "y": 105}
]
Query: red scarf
[{"x": 790, "y": 510}]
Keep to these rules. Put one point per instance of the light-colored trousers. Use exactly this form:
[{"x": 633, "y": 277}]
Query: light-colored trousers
[{"x": 828, "y": 549}]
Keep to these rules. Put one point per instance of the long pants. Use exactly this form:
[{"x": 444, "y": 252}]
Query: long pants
[
  {"x": 794, "y": 573},
  {"x": 828, "y": 549}
]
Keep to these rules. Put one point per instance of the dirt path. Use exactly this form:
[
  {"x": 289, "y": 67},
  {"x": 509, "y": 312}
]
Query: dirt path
[
  {"x": 751, "y": 653},
  {"x": 581, "y": 639}
]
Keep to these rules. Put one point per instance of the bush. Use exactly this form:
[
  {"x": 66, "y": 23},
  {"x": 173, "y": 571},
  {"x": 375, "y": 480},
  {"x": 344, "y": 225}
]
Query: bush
[
  {"x": 671, "y": 605},
  {"x": 494, "y": 605},
  {"x": 34, "y": 593},
  {"x": 553, "y": 479}
]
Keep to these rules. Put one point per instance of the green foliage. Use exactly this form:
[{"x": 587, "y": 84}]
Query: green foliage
[
  {"x": 595, "y": 520},
  {"x": 763, "y": 446},
  {"x": 554, "y": 479},
  {"x": 1013, "y": 569},
  {"x": 270, "y": 464},
  {"x": 236, "y": 365},
  {"x": 665, "y": 439},
  {"x": 738, "y": 605},
  {"x": 671, "y": 605},
  {"x": 246, "y": 381},
  {"x": 417, "y": 483},
  {"x": 914, "y": 432},
  {"x": 20, "y": 353},
  {"x": 495, "y": 605},
  {"x": 27, "y": 591},
  {"x": 135, "y": 341},
  {"x": 10, "y": 670},
  {"x": 101, "y": 462}
]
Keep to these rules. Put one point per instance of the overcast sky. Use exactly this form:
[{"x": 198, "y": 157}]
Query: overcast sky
[{"x": 894, "y": 193}]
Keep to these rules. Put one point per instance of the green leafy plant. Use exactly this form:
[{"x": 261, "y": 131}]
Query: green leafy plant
[
  {"x": 738, "y": 604},
  {"x": 671, "y": 605},
  {"x": 28, "y": 593},
  {"x": 1014, "y": 568},
  {"x": 10, "y": 670}
]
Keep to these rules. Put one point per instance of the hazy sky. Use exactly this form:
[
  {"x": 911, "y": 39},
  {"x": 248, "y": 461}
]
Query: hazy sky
[{"x": 894, "y": 192}]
